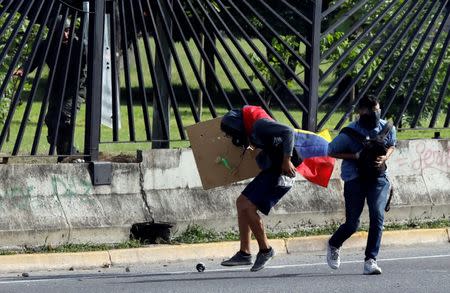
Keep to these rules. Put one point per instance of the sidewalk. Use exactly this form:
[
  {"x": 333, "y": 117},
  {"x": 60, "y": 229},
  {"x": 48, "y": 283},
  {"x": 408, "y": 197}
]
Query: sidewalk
[{"x": 171, "y": 253}]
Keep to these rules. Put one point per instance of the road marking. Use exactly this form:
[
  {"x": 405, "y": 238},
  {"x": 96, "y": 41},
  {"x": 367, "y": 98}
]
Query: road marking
[
  {"x": 28, "y": 281},
  {"x": 50, "y": 278},
  {"x": 360, "y": 261},
  {"x": 316, "y": 264}
]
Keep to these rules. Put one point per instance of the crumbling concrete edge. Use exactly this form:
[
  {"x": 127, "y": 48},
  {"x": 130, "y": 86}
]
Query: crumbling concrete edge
[{"x": 149, "y": 215}]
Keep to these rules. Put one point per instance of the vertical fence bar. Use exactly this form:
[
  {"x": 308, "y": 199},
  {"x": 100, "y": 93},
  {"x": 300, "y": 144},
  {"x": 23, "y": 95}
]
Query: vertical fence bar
[
  {"x": 115, "y": 67},
  {"x": 56, "y": 36},
  {"x": 215, "y": 32},
  {"x": 94, "y": 90},
  {"x": 195, "y": 37},
  {"x": 166, "y": 74},
  {"x": 126, "y": 69},
  {"x": 209, "y": 71},
  {"x": 36, "y": 80},
  {"x": 189, "y": 56},
  {"x": 81, "y": 76},
  {"x": 67, "y": 60},
  {"x": 162, "y": 60},
  {"x": 309, "y": 121},
  {"x": 442, "y": 95},
  {"x": 168, "y": 33},
  {"x": 139, "y": 69},
  {"x": 263, "y": 58},
  {"x": 447, "y": 118}
]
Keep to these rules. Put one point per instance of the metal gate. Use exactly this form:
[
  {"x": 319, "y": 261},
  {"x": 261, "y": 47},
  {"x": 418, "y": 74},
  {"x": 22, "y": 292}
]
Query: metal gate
[{"x": 144, "y": 67}]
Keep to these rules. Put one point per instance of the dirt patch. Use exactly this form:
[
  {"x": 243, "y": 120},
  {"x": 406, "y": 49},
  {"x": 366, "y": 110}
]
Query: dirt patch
[{"x": 120, "y": 158}]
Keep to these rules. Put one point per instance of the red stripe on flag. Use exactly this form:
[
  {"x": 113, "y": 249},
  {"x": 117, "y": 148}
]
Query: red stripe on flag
[{"x": 318, "y": 170}]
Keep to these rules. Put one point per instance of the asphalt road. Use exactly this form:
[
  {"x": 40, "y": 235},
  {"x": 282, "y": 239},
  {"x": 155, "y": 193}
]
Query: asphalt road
[{"x": 406, "y": 270}]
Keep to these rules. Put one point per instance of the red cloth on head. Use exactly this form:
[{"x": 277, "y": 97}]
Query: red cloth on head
[{"x": 250, "y": 115}]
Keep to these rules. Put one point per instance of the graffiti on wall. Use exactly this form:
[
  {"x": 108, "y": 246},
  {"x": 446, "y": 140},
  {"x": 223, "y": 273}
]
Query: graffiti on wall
[
  {"x": 423, "y": 157},
  {"x": 22, "y": 195}
]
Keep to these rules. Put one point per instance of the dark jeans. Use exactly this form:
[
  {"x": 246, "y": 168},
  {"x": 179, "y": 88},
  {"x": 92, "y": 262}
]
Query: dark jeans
[
  {"x": 64, "y": 129},
  {"x": 355, "y": 193}
]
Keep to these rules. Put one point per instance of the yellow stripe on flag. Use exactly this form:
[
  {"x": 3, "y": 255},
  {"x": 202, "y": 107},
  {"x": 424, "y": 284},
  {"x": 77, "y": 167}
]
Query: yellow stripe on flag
[{"x": 325, "y": 134}]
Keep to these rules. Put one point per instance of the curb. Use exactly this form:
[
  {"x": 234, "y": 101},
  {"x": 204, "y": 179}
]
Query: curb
[
  {"x": 359, "y": 239},
  {"x": 165, "y": 253},
  {"x": 170, "y": 253},
  {"x": 53, "y": 261}
]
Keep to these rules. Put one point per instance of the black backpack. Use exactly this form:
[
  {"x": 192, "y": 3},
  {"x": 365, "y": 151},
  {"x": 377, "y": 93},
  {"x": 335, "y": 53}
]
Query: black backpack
[{"x": 372, "y": 148}]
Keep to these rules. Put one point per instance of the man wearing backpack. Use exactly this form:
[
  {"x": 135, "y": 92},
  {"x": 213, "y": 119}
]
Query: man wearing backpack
[{"x": 364, "y": 145}]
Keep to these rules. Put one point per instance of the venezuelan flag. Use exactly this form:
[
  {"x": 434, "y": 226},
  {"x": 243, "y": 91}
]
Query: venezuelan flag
[{"x": 317, "y": 166}]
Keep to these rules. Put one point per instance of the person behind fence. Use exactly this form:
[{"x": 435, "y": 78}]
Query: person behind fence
[
  {"x": 364, "y": 145},
  {"x": 283, "y": 153},
  {"x": 58, "y": 68}
]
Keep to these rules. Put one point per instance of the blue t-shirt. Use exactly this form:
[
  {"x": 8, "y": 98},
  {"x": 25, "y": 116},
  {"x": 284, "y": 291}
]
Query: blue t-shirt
[{"x": 345, "y": 144}]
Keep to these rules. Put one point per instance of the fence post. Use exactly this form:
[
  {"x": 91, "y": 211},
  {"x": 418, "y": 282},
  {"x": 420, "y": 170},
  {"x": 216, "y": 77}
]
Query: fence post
[
  {"x": 312, "y": 75},
  {"x": 94, "y": 90},
  {"x": 210, "y": 84},
  {"x": 163, "y": 86}
]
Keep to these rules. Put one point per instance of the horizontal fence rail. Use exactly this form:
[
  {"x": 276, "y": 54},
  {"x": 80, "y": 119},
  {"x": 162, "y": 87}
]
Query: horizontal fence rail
[{"x": 86, "y": 73}]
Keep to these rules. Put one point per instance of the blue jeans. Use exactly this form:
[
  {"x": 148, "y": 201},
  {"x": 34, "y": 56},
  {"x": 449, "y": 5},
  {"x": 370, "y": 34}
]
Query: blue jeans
[{"x": 355, "y": 193}]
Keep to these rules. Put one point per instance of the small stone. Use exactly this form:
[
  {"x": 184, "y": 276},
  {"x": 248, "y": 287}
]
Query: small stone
[
  {"x": 200, "y": 267},
  {"x": 71, "y": 269},
  {"x": 25, "y": 275},
  {"x": 127, "y": 269}
]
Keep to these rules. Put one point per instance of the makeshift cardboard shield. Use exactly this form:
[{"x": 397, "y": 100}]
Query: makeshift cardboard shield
[{"x": 218, "y": 161}]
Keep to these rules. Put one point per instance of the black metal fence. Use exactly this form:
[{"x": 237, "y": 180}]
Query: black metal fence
[{"x": 146, "y": 69}]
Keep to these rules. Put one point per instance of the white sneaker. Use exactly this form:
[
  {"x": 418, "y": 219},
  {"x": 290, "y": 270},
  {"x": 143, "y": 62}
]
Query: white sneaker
[
  {"x": 333, "y": 258},
  {"x": 371, "y": 267}
]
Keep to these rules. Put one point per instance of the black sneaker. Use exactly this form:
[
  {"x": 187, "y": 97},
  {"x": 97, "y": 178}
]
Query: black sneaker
[
  {"x": 262, "y": 259},
  {"x": 239, "y": 259}
]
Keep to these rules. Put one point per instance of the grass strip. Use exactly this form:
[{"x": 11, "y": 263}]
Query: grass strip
[{"x": 198, "y": 234}]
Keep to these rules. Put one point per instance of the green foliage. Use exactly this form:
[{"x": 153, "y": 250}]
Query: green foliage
[
  {"x": 360, "y": 50},
  {"x": 419, "y": 94},
  {"x": 198, "y": 234},
  {"x": 287, "y": 58},
  {"x": 7, "y": 62},
  {"x": 5, "y": 99},
  {"x": 74, "y": 248},
  {"x": 423, "y": 83}
]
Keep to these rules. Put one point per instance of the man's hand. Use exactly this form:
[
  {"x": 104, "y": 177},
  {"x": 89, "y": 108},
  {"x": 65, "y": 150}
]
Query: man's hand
[
  {"x": 380, "y": 160},
  {"x": 287, "y": 168},
  {"x": 18, "y": 72}
]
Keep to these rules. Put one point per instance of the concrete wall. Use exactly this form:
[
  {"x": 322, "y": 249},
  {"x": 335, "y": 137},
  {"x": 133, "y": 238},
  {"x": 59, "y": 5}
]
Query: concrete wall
[
  {"x": 56, "y": 204},
  {"x": 419, "y": 171}
]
